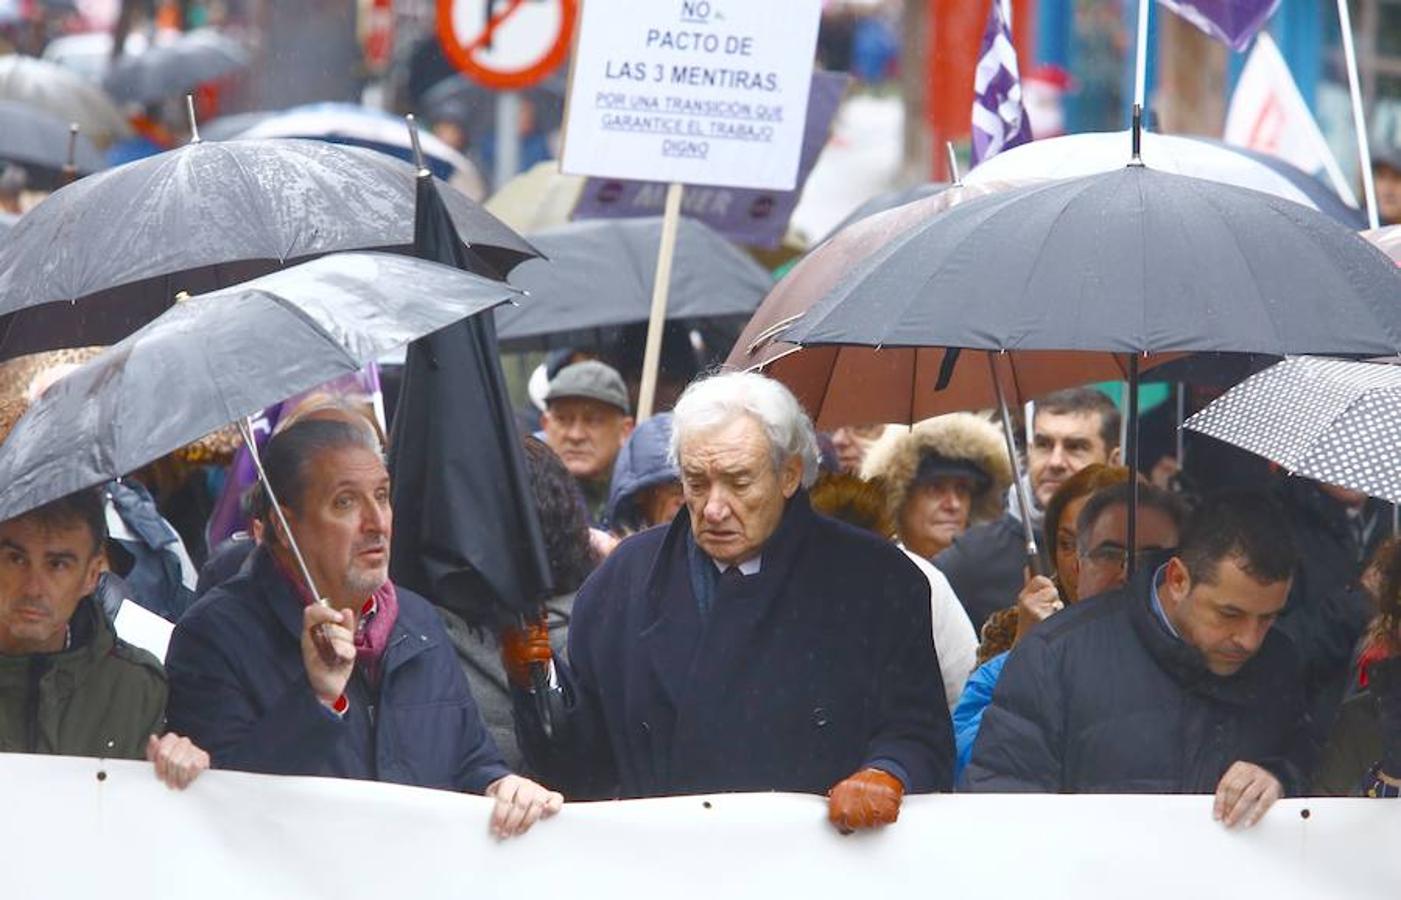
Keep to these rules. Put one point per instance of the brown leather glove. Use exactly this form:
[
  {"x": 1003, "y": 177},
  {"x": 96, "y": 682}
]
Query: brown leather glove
[
  {"x": 520, "y": 647},
  {"x": 868, "y": 799}
]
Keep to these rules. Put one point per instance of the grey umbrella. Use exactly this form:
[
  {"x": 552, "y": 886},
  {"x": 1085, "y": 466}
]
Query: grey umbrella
[
  {"x": 121, "y": 244},
  {"x": 173, "y": 69},
  {"x": 40, "y": 142},
  {"x": 462, "y": 101},
  {"x": 219, "y": 357},
  {"x": 598, "y": 273},
  {"x": 54, "y": 89},
  {"x": 889, "y": 200},
  {"x": 1332, "y": 420}
]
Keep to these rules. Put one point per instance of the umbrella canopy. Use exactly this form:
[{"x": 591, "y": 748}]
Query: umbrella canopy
[
  {"x": 90, "y": 53},
  {"x": 124, "y": 242},
  {"x": 222, "y": 356},
  {"x": 1388, "y": 240},
  {"x": 1332, "y": 420},
  {"x": 174, "y": 68},
  {"x": 843, "y": 385},
  {"x": 62, "y": 93},
  {"x": 1076, "y": 155},
  {"x": 598, "y": 273},
  {"x": 889, "y": 200},
  {"x": 539, "y": 198},
  {"x": 39, "y": 141},
  {"x": 359, "y": 126},
  {"x": 1135, "y": 261}
]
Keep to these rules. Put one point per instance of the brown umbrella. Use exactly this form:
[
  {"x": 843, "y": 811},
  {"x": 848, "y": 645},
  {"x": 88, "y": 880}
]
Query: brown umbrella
[{"x": 851, "y": 385}]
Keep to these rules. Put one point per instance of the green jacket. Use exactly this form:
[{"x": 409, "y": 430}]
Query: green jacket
[{"x": 101, "y": 698}]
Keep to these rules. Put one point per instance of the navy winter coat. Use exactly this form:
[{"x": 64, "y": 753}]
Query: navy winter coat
[
  {"x": 643, "y": 462},
  {"x": 813, "y": 668},
  {"x": 1102, "y": 698},
  {"x": 238, "y": 688}
]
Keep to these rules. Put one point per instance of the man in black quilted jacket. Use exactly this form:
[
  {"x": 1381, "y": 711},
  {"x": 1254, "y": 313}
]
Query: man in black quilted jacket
[{"x": 1176, "y": 683}]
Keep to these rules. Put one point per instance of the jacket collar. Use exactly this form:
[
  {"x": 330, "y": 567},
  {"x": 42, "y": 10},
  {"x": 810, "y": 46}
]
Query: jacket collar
[
  {"x": 272, "y": 587},
  {"x": 92, "y": 639},
  {"x": 1183, "y": 662}
]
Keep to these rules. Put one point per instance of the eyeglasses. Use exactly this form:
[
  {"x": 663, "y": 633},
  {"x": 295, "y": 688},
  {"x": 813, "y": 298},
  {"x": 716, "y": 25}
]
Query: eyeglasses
[{"x": 1114, "y": 555}]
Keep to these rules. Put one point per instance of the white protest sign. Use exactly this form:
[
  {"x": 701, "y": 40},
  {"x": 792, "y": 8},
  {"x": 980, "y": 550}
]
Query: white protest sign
[{"x": 710, "y": 92}]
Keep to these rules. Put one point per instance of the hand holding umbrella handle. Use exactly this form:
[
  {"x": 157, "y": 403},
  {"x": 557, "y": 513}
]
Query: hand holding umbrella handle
[{"x": 321, "y": 640}]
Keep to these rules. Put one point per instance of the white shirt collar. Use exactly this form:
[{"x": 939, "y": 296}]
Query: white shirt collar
[{"x": 748, "y": 567}]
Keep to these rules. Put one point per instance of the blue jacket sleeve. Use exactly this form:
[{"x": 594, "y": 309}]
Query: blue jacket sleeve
[
  {"x": 968, "y": 715},
  {"x": 1019, "y": 745}
]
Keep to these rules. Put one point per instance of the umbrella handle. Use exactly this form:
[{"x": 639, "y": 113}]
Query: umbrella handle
[{"x": 1033, "y": 555}]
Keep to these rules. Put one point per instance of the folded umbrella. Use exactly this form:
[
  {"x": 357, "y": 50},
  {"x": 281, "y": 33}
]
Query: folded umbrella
[
  {"x": 219, "y": 357},
  {"x": 1335, "y": 421},
  {"x": 118, "y": 246}
]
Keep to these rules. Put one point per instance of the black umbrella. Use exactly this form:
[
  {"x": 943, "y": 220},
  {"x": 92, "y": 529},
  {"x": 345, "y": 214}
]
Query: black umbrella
[
  {"x": 222, "y": 356},
  {"x": 41, "y": 143},
  {"x": 466, "y": 532},
  {"x": 121, "y": 244},
  {"x": 174, "y": 69},
  {"x": 1131, "y": 263},
  {"x": 598, "y": 274}
]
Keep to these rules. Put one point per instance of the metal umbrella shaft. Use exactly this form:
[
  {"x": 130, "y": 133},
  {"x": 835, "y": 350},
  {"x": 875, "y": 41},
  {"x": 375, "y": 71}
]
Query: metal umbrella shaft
[
  {"x": 318, "y": 635},
  {"x": 1131, "y": 460},
  {"x": 1018, "y": 486}
]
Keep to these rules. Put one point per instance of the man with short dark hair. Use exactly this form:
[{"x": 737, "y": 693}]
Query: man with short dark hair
[
  {"x": 586, "y": 420},
  {"x": 68, "y": 684},
  {"x": 1102, "y": 529},
  {"x": 986, "y": 566},
  {"x": 1176, "y": 683},
  {"x": 357, "y": 679}
]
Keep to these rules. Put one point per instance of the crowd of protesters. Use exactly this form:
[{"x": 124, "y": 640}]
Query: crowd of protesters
[{"x": 736, "y": 610}]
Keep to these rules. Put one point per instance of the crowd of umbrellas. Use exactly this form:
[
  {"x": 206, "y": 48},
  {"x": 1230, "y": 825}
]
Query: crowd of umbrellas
[{"x": 275, "y": 252}]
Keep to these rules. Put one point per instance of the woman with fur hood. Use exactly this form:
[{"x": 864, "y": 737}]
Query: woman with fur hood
[{"x": 941, "y": 476}]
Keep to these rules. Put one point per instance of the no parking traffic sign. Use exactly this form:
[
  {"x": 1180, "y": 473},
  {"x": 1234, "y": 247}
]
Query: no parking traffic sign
[{"x": 506, "y": 44}]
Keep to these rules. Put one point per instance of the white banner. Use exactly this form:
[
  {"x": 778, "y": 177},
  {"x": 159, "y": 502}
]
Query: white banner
[
  {"x": 83, "y": 828},
  {"x": 1269, "y": 114},
  {"x": 708, "y": 92}
]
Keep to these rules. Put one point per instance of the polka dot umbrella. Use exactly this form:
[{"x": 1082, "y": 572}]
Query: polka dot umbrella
[{"x": 1332, "y": 420}]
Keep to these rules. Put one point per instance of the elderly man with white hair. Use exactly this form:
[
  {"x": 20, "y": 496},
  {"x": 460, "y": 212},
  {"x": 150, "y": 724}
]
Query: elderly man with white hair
[{"x": 752, "y": 644}]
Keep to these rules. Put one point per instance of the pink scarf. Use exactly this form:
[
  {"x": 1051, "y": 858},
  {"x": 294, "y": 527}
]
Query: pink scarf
[{"x": 373, "y": 625}]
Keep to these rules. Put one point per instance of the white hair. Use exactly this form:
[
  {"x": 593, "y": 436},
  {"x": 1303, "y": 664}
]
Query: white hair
[{"x": 717, "y": 400}]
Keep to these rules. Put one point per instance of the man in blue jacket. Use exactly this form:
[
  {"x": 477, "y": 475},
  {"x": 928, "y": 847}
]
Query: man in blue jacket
[
  {"x": 365, "y": 686},
  {"x": 753, "y": 645},
  {"x": 1176, "y": 683}
]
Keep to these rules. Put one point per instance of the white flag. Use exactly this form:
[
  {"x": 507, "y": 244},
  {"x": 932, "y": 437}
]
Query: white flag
[{"x": 1269, "y": 115}]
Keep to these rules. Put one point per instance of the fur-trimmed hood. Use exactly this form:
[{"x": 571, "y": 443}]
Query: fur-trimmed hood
[{"x": 895, "y": 457}]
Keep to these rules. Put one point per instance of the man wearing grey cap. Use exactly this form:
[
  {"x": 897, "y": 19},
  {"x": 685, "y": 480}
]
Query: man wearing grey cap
[{"x": 587, "y": 418}]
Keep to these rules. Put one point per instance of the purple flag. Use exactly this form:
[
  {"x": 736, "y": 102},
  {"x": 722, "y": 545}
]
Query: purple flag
[
  {"x": 999, "y": 118},
  {"x": 1232, "y": 22}
]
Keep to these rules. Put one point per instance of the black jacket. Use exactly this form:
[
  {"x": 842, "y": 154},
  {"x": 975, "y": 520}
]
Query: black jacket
[
  {"x": 1102, "y": 698},
  {"x": 809, "y": 670},
  {"x": 986, "y": 566},
  {"x": 1326, "y": 613}
]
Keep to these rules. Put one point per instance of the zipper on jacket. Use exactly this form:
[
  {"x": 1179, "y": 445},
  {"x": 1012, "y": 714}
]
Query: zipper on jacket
[{"x": 38, "y": 667}]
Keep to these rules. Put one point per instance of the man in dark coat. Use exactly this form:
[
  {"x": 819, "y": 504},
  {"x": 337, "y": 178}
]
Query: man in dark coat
[
  {"x": 1337, "y": 530},
  {"x": 986, "y": 566},
  {"x": 362, "y": 685},
  {"x": 752, "y": 644},
  {"x": 1177, "y": 683}
]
